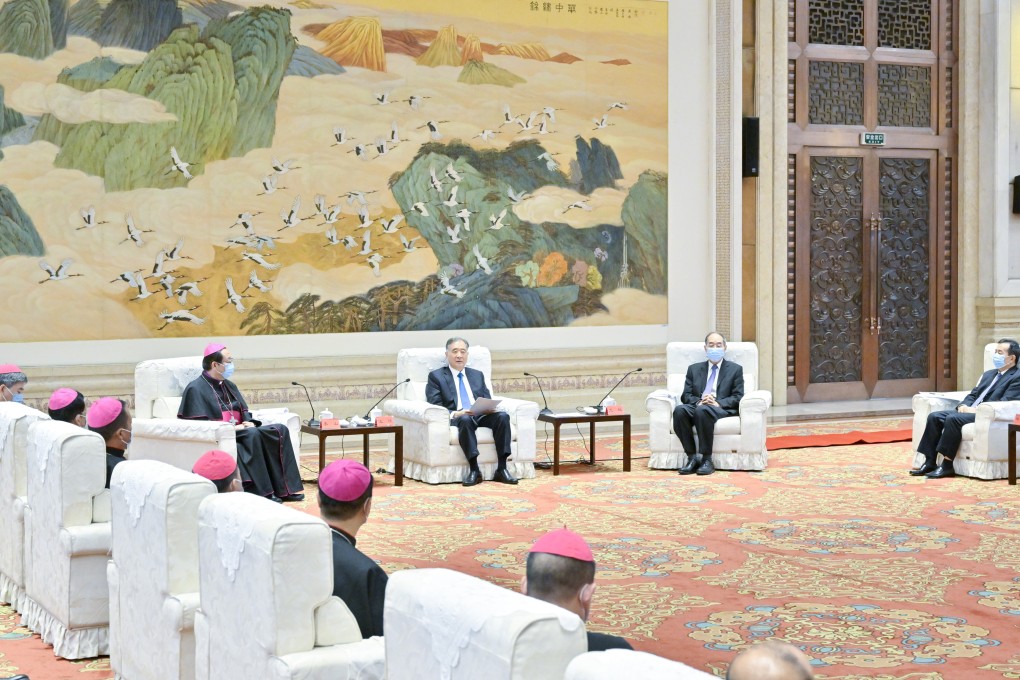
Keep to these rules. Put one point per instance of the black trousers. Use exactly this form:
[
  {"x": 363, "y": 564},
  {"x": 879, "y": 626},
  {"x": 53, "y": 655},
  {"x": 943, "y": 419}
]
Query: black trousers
[
  {"x": 688, "y": 419},
  {"x": 498, "y": 422},
  {"x": 943, "y": 433}
]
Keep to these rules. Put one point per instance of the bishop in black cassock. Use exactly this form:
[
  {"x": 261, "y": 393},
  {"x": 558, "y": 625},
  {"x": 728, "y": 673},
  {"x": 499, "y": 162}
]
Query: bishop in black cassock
[{"x": 265, "y": 455}]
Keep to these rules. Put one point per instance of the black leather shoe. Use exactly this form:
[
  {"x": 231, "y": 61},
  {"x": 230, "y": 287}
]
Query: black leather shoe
[
  {"x": 945, "y": 469},
  {"x": 706, "y": 467},
  {"x": 923, "y": 470},
  {"x": 691, "y": 466},
  {"x": 504, "y": 477},
  {"x": 275, "y": 499},
  {"x": 472, "y": 477},
  {"x": 293, "y": 498}
]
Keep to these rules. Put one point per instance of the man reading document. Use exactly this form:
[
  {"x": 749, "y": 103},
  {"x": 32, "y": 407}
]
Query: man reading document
[{"x": 461, "y": 390}]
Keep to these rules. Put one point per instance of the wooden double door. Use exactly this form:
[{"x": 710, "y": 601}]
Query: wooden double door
[{"x": 870, "y": 228}]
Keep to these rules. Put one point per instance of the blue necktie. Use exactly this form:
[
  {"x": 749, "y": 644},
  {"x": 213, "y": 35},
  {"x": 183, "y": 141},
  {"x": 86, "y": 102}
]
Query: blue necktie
[
  {"x": 465, "y": 400},
  {"x": 711, "y": 381},
  {"x": 987, "y": 390}
]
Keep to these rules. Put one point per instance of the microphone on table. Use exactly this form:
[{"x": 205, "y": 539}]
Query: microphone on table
[
  {"x": 368, "y": 413},
  {"x": 546, "y": 410},
  {"x": 313, "y": 421},
  {"x": 600, "y": 407}
]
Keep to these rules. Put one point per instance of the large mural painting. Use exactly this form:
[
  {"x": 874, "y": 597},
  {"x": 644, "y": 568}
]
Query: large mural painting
[{"x": 211, "y": 167}]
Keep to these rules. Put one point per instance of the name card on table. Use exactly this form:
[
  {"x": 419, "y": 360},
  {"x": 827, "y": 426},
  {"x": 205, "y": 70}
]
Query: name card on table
[
  {"x": 384, "y": 421},
  {"x": 1016, "y": 419},
  {"x": 614, "y": 410},
  {"x": 329, "y": 424}
]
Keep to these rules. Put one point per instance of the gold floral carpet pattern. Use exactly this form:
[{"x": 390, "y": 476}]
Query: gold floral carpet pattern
[{"x": 873, "y": 573}]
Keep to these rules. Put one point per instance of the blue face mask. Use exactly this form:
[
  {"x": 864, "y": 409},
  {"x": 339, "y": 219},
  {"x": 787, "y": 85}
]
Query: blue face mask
[
  {"x": 228, "y": 371},
  {"x": 998, "y": 360},
  {"x": 18, "y": 398},
  {"x": 715, "y": 354}
]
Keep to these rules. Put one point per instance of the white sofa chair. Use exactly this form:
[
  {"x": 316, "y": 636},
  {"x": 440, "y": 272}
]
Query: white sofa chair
[
  {"x": 256, "y": 619},
  {"x": 153, "y": 574},
  {"x": 613, "y": 664},
  {"x": 15, "y": 420},
  {"x": 464, "y": 628},
  {"x": 739, "y": 442},
  {"x": 67, "y": 540},
  {"x": 432, "y": 451},
  {"x": 157, "y": 433},
  {"x": 983, "y": 450}
]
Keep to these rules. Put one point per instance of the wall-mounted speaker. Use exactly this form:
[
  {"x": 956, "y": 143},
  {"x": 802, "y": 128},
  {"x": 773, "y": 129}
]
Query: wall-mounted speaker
[{"x": 749, "y": 149}]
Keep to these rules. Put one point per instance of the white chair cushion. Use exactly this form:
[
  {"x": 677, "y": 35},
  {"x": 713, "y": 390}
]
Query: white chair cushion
[{"x": 614, "y": 664}]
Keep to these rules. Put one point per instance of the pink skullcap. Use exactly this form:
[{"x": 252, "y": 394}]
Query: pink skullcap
[
  {"x": 215, "y": 465},
  {"x": 103, "y": 412},
  {"x": 61, "y": 398},
  {"x": 213, "y": 347},
  {"x": 9, "y": 368},
  {"x": 565, "y": 543},
  {"x": 344, "y": 480}
]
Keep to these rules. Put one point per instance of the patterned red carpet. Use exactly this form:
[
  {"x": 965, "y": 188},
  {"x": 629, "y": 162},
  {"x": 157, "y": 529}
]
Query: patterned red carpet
[{"x": 874, "y": 573}]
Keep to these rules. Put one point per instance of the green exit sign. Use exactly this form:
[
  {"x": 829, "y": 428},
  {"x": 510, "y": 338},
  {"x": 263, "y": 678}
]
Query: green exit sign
[{"x": 872, "y": 139}]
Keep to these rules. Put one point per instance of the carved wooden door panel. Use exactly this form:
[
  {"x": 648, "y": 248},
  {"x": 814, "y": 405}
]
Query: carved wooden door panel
[
  {"x": 862, "y": 277},
  {"x": 870, "y": 230}
]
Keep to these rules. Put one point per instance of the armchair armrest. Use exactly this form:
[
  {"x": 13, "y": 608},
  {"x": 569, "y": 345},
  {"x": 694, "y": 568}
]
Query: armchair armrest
[
  {"x": 418, "y": 411},
  {"x": 756, "y": 401},
  {"x": 91, "y": 539},
  {"x": 661, "y": 401},
  {"x": 178, "y": 429},
  {"x": 101, "y": 511},
  {"x": 518, "y": 408},
  {"x": 927, "y": 402},
  {"x": 185, "y": 604},
  {"x": 335, "y": 624},
  {"x": 1002, "y": 411}
]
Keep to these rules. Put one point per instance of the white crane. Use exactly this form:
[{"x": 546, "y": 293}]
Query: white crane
[
  {"x": 580, "y": 205},
  {"x": 349, "y": 242},
  {"x": 507, "y": 116},
  {"x": 447, "y": 288},
  {"x": 180, "y": 315},
  {"x": 382, "y": 98},
  {"x": 543, "y": 127},
  {"x": 131, "y": 278},
  {"x": 167, "y": 282},
  {"x": 487, "y": 135},
  {"x": 157, "y": 267},
  {"x": 331, "y": 215},
  {"x": 408, "y": 245},
  {"x": 359, "y": 196},
  {"x": 516, "y": 196},
  {"x": 373, "y": 261},
  {"x": 394, "y": 137},
  {"x": 415, "y": 101},
  {"x": 291, "y": 217},
  {"x": 602, "y": 123},
  {"x": 381, "y": 147},
  {"x": 186, "y": 289},
  {"x": 420, "y": 208},
  {"x": 452, "y": 200},
  {"x": 366, "y": 244},
  {"x": 255, "y": 282},
  {"x": 454, "y": 233},
  {"x": 366, "y": 221},
  {"x": 618, "y": 105},
  {"x": 528, "y": 124},
  {"x": 435, "y": 182},
  {"x": 433, "y": 126},
  {"x": 340, "y": 135},
  {"x": 88, "y": 216},
  {"x": 233, "y": 298},
  {"x": 259, "y": 260},
  {"x": 331, "y": 238},
  {"x": 390, "y": 226},
  {"x": 283, "y": 167},
  {"x": 134, "y": 233},
  {"x": 550, "y": 163},
  {"x": 550, "y": 113},
  {"x": 496, "y": 223},
  {"x": 143, "y": 292},
  {"x": 177, "y": 165},
  {"x": 245, "y": 220},
  {"x": 360, "y": 151},
  {"x": 452, "y": 173},
  {"x": 320, "y": 205},
  {"x": 465, "y": 215},
  {"x": 175, "y": 252},
  {"x": 483, "y": 262},
  {"x": 264, "y": 241},
  {"x": 58, "y": 274},
  {"x": 269, "y": 185}
]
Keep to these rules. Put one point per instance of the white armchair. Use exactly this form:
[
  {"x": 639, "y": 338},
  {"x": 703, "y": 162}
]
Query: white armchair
[
  {"x": 621, "y": 663},
  {"x": 153, "y": 574},
  {"x": 256, "y": 620},
  {"x": 462, "y": 627},
  {"x": 15, "y": 420},
  {"x": 157, "y": 433},
  {"x": 739, "y": 440},
  {"x": 432, "y": 451},
  {"x": 67, "y": 540},
  {"x": 982, "y": 452}
]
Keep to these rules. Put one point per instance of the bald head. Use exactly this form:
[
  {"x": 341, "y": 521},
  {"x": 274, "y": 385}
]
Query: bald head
[{"x": 770, "y": 661}]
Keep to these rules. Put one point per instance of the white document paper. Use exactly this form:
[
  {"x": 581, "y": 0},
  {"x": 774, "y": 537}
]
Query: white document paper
[{"x": 483, "y": 406}]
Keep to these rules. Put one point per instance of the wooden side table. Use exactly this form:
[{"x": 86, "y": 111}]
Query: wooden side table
[
  {"x": 1011, "y": 451},
  {"x": 558, "y": 419},
  {"x": 398, "y": 444}
]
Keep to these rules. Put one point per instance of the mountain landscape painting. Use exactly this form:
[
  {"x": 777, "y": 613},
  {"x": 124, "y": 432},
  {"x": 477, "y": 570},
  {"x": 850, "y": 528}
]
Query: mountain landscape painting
[{"x": 176, "y": 168}]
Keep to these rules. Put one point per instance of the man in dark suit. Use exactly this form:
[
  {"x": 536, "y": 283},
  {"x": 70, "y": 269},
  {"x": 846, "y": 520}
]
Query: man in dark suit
[
  {"x": 943, "y": 431},
  {"x": 712, "y": 390},
  {"x": 456, "y": 387}
]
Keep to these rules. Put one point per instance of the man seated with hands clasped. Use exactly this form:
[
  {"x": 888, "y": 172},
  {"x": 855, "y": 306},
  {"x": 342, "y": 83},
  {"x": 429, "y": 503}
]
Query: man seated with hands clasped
[
  {"x": 943, "y": 432},
  {"x": 456, "y": 387}
]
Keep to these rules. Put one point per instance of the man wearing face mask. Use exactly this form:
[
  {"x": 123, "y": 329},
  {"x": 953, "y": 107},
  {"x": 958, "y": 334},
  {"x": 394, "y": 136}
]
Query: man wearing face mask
[
  {"x": 111, "y": 420},
  {"x": 265, "y": 456},
  {"x": 67, "y": 405},
  {"x": 713, "y": 390},
  {"x": 943, "y": 431},
  {"x": 12, "y": 383}
]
